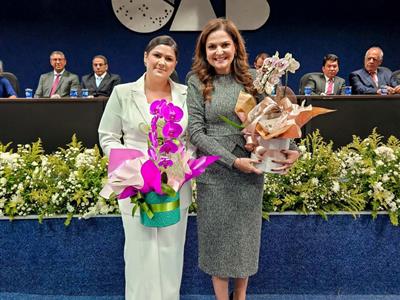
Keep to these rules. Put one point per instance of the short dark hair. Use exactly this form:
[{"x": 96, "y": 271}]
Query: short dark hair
[
  {"x": 101, "y": 57},
  {"x": 261, "y": 55},
  {"x": 162, "y": 40},
  {"x": 331, "y": 57}
]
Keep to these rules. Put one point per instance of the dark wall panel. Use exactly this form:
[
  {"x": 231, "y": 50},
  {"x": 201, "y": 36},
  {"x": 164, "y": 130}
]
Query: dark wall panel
[{"x": 30, "y": 30}]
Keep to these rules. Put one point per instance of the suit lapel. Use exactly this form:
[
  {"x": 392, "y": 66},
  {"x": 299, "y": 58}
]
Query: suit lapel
[
  {"x": 381, "y": 76},
  {"x": 48, "y": 84},
  {"x": 91, "y": 82},
  {"x": 335, "y": 85},
  {"x": 104, "y": 81},
  {"x": 178, "y": 94},
  {"x": 369, "y": 78},
  {"x": 138, "y": 98},
  {"x": 61, "y": 81},
  {"x": 323, "y": 83}
]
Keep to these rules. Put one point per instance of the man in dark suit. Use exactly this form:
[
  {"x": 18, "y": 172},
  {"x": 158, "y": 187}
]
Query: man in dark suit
[
  {"x": 59, "y": 82},
  {"x": 372, "y": 77},
  {"x": 327, "y": 83},
  {"x": 100, "y": 83}
]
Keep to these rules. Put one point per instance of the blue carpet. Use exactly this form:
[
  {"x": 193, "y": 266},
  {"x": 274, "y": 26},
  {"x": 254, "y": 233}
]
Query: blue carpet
[{"x": 15, "y": 296}]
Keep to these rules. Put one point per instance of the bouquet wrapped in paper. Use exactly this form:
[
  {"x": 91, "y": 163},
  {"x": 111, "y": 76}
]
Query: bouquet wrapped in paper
[
  {"x": 152, "y": 180},
  {"x": 270, "y": 124}
]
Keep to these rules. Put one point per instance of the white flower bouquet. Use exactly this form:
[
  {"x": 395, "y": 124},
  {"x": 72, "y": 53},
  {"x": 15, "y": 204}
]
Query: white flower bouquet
[{"x": 270, "y": 124}]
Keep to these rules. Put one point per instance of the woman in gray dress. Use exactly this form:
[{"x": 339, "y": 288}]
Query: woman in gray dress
[{"x": 230, "y": 191}]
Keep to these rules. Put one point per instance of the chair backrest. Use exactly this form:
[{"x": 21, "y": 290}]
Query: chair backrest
[
  {"x": 303, "y": 81},
  {"x": 396, "y": 75},
  {"x": 13, "y": 80}
]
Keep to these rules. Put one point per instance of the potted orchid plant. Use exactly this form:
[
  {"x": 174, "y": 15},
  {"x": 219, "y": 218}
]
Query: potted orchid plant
[
  {"x": 269, "y": 125},
  {"x": 153, "y": 180}
]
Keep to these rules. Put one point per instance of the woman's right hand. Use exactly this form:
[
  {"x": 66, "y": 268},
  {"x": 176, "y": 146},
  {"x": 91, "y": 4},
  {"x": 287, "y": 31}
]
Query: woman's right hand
[{"x": 245, "y": 165}]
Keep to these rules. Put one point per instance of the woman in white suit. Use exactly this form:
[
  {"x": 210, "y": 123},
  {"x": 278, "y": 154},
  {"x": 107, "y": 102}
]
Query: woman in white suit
[{"x": 153, "y": 256}]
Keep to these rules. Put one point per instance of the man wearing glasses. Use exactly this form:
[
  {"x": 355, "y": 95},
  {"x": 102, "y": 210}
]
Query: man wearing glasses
[
  {"x": 59, "y": 82},
  {"x": 373, "y": 79},
  {"x": 100, "y": 83}
]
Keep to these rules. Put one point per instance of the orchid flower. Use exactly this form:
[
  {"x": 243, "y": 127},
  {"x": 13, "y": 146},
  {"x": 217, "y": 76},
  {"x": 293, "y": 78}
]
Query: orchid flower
[
  {"x": 198, "y": 166},
  {"x": 172, "y": 130},
  {"x": 151, "y": 177},
  {"x": 153, "y": 138},
  {"x": 152, "y": 153},
  {"x": 156, "y": 106},
  {"x": 169, "y": 147},
  {"x": 171, "y": 113},
  {"x": 165, "y": 162},
  {"x": 154, "y": 121}
]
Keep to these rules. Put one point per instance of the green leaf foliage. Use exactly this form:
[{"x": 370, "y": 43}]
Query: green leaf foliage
[{"x": 363, "y": 175}]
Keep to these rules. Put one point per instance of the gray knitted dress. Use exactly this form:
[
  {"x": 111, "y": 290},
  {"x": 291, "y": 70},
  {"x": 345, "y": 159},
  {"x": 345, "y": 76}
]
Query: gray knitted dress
[{"x": 229, "y": 201}]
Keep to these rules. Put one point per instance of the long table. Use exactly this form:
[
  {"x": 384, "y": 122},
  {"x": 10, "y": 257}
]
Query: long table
[
  {"x": 355, "y": 115},
  {"x": 55, "y": 121},
  {"x": 23, "y": 121}
]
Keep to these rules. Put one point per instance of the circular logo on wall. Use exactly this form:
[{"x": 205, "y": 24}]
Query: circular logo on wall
[
  {"x": 191, "y": 15},
  {"x": 141, "y": 15}
]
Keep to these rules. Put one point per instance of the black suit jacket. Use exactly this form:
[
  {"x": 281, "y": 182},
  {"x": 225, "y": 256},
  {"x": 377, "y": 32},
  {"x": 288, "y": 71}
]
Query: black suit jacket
[{"x": 106, "y": 86}]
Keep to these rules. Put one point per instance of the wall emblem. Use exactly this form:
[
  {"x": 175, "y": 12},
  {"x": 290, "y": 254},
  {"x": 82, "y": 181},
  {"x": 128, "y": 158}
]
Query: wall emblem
[{"x": 191, "y": 15}]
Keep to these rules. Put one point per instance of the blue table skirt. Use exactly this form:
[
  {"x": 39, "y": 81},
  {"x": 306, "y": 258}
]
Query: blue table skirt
[{"x": 299, "y": 255}]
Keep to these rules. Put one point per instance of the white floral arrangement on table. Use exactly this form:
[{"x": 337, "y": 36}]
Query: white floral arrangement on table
[
  {"x": 364, "y": 175},
  {"x": 67, "y": 182},
  {"x": 372, "y": 168},
  {"x": 314, "y": 184}
]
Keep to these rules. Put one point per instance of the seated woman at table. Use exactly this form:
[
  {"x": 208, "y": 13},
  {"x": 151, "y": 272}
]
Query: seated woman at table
[{"x": 6, "y": 90}]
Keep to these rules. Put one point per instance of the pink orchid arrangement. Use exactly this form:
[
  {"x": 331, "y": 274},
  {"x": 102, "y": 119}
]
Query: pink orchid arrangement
[{"x": 163, "y": 170}]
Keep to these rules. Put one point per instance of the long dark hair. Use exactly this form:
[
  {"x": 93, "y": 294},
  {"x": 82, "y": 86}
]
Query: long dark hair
[{"x": 240, "y": 66}]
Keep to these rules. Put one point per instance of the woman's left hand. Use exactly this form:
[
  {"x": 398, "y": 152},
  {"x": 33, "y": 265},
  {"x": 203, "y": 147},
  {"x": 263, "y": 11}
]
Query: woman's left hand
[{"x": 291, "y": 157}]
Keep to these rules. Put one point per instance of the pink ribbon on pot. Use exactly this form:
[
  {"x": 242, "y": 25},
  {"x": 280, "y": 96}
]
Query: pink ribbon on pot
[{"x": 129, "y": 172}]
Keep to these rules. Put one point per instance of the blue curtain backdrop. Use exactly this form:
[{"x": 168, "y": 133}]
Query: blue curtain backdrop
[{"x": 30, "y": 30}]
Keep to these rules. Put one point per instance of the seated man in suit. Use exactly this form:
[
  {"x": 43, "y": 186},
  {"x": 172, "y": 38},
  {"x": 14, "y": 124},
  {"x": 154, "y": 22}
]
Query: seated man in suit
[
  {"x": 372, "y": 77},
  {"x": 100, "y": 82},
  {"x": 57, "y": 83},
  {"x": 6, "y": 89},
  {"x": 327, "y": 83}
]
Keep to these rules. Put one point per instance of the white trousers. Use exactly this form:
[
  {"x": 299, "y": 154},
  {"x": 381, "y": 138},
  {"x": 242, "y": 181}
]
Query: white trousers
[{"x": 153, "y": 259}]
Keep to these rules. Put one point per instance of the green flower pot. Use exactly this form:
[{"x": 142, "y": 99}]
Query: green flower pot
[{"x": 166, "y": 210}]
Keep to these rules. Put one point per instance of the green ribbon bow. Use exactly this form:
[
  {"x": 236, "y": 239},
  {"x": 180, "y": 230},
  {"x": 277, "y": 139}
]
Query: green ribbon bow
[{"x": 150, "y": 209}]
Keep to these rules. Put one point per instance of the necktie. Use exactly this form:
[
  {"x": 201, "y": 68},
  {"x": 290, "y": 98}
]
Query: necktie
[
  {"x": 55, "y": 84},
  {"x": 374, "y": 77},
  {"x": 329, "y": 90},
  {"x": 98, "y": 81}
]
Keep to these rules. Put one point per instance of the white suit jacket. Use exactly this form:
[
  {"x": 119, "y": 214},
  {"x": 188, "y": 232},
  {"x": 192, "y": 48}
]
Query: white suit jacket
[{"x": 126, "y": 113}]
